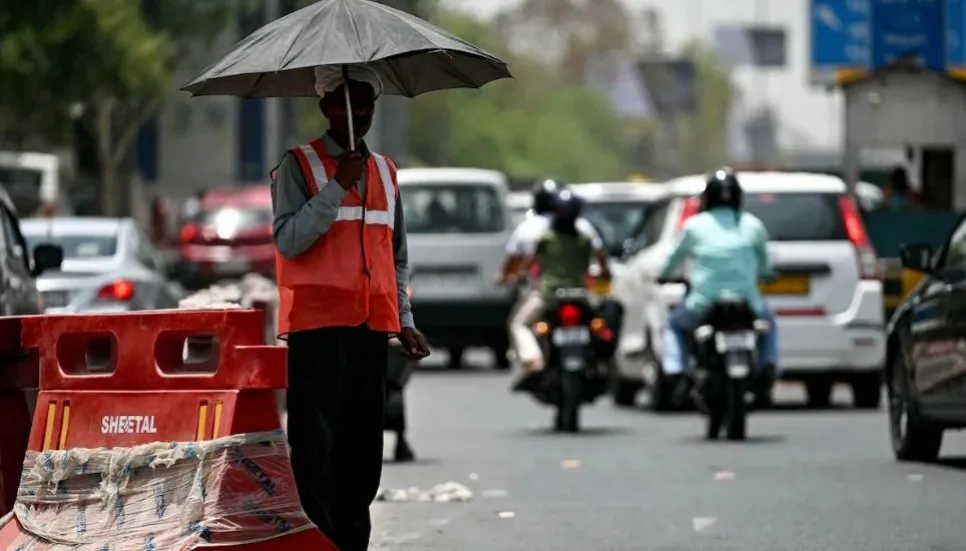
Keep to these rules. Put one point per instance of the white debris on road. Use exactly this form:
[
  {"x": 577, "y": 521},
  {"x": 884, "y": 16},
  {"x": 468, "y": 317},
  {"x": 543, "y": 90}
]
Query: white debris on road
[
  {"x": 701, "y": 524},
  {"x": 251, "y": 290},
  {"x": 447, "y": 492}
]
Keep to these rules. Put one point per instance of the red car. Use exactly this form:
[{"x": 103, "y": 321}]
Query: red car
[{"x": 229, "y": 236}]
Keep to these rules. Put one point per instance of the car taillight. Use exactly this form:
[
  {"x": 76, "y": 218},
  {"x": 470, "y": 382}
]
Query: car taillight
[
  {"x": 865, "y": 253},
  {"x": 569, "y": 315},
  {"x": 122, "y": 290},
  {"x": 189, "y": 233},
  {"x": 691, "y": 207}
]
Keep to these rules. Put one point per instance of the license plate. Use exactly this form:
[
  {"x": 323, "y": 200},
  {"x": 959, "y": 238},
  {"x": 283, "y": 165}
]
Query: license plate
[
  {"x": 786, "y": 285},
  {"x": 738, "y": 371},
  {"x": 232, "y": 266},
  {"x": 600, "y": 287},
  {"x": 55, "y": 299},
  {"x": 426, "y": 283},
  {"x": 573, "y": 363},
  {"x": 727, "y": 342},
  {"x": 569, "y": 336}
]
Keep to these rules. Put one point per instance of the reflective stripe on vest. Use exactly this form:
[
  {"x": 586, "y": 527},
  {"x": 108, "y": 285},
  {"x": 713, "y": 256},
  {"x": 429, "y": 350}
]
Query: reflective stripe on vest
[{"x": 322, "y": 177}]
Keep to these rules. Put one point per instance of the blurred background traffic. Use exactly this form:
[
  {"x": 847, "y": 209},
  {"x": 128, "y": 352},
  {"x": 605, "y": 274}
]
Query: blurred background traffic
[
  {"x": 844, "y": 119},
  {"x": 613, "y": 91},
  {"x": 150, "y": 196}
]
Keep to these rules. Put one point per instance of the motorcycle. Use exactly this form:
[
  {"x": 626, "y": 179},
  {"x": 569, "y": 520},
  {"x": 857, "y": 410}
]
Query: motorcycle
[
  {"x": 724, "y": 347},
  {"x": 571, "y": 335}
]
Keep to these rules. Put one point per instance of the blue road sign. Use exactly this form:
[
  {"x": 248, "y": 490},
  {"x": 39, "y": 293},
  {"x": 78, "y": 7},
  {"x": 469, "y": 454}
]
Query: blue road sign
[
  {"x": 909, "y": 28},
  {"x": 841, "y": 34},
  {"x": 956, "y": 35}
]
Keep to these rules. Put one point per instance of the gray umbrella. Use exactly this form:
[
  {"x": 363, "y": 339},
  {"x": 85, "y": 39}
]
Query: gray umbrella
[{"x": 411, "y": 55}]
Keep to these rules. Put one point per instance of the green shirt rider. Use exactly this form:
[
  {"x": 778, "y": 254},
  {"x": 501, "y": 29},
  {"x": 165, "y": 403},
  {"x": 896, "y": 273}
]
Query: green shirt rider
[{"x": 563, "y": 254}]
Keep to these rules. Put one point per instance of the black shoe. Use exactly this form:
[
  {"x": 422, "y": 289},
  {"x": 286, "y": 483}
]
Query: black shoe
[
  {"x": 403, "y": 453},
  {"x": 529, "y": 382},
  {"x": 699, "y": 385},
  {"x": 765, "y": 383}
]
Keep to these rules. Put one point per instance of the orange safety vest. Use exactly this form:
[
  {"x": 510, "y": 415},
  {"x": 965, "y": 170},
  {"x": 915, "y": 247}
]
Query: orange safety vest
[{"x": 348, "y": 276}]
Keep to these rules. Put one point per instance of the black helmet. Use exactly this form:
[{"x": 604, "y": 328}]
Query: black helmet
[
  {"x": 721, "y": 190},
  {"x": 567, "y": 205},
  {"x": 545, "y": 193}
]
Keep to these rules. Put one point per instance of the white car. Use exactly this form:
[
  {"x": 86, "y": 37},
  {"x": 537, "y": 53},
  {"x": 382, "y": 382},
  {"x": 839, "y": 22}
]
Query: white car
[
  {"x": 828, "y": 299},
  {"x": 618, "y": 210},
  {"x": 520, "y": 203}
]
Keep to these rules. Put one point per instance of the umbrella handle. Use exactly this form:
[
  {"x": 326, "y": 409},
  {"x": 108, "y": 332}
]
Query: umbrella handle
[{"x": 348, "y": 108}]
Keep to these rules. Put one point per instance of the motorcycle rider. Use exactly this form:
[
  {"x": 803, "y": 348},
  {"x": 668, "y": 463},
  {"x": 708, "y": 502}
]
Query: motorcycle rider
[
  {"x": 727, "y": 254},
  {"x": 524, "y": 237},
  {"x": 522, "y": 242},
  {"x": 564, "y": 253}
]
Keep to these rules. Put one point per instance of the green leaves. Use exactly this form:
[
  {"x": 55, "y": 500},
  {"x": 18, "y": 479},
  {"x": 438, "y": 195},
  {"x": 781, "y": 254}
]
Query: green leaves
[
  {"x": 535, "y": 124},
  {"x": 55, "y": 54}
]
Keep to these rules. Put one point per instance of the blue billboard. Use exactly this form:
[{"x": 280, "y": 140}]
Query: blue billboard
[
  {"x": 841, "y": 34},
  {"x": 956, "y": 35},
  {"x": 909, "y": 29},
  {"x": 850, "y": 37}
]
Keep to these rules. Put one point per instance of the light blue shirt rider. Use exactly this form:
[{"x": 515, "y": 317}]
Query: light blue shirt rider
[{"x": 726, "y": 253}]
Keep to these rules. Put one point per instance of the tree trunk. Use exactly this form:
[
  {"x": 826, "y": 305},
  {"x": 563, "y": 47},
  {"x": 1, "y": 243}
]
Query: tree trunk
[
  {"x": 108, "y": 181},
  {"x": 115, "y": 135},
  {"x": 111, "y": 192}
]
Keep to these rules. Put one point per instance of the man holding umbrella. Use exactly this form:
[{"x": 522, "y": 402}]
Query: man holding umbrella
[
  {"x": 341, "y": 261},
  {"x": 342, "y": 274}
]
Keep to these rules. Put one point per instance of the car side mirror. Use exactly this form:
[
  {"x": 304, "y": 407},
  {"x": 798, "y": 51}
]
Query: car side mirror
[
  {"x": 47, "y": 257},
  {"x": 917, "y": 256}
]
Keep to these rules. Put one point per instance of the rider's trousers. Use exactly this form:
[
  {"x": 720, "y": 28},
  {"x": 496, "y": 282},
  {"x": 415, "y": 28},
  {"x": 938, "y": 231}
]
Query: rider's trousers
[
  {"x": 681, "y": 321},
  {"x": 521, "y": 335}
]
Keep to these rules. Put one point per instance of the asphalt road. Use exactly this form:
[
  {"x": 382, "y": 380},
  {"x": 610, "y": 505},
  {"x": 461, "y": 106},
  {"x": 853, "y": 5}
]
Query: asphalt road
[{"x": 822, "y": 481}]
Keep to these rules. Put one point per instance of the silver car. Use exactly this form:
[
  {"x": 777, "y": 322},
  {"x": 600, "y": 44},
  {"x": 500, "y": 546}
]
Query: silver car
[{"x": 109, "y": 265}]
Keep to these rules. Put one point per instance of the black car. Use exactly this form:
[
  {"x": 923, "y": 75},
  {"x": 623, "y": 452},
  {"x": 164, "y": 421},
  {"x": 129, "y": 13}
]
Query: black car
[
  {"x": 926, "y": 358},
  {"x": 18, "y": 291}
]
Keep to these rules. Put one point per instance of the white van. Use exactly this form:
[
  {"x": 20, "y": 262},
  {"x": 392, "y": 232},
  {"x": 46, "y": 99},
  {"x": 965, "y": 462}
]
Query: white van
[
  {"x": 457, "y": 225},
  {"x": 32, "y": 180}
]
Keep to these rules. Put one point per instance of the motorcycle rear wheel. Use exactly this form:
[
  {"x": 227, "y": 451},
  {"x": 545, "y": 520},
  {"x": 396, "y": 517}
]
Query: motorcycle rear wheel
[
  {"x": 735, "y": 409},
  {"x": 571, "y": 397}
]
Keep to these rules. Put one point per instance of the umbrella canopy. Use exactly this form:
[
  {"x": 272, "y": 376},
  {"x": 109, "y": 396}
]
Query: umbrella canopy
[{"x": 411, "y": 55}]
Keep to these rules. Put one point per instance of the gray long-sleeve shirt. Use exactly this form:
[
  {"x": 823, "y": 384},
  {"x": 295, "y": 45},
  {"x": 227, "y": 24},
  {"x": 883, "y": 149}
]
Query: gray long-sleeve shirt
[{"x": 301, "y": 220}]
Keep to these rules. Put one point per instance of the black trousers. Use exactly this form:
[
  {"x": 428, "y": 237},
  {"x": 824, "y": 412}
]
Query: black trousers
[{"x": 336, "y": 407}]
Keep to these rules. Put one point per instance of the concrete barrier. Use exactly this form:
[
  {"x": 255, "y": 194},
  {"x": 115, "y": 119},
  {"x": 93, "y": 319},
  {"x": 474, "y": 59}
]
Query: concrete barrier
[{"x": 252, "y": 291}]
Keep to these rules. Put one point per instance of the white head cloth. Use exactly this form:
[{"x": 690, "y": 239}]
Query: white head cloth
[{"x": 330, "y": 77}]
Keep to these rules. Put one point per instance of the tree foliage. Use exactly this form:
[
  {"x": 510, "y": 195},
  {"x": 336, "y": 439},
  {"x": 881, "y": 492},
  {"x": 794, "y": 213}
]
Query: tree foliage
[
  {"x": 536, "y": 124},
  {"x": 100, "y": 62},
  {"x": 547, "y": 121}
]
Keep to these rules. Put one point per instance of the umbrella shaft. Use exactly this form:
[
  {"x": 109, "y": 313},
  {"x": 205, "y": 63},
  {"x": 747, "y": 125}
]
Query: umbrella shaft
[{"x": 348, "y": 114}]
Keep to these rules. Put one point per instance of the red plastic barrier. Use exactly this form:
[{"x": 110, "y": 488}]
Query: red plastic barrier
[
  {"x": 18, "y": 378},
  {"x": 120, "y": 380}
]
